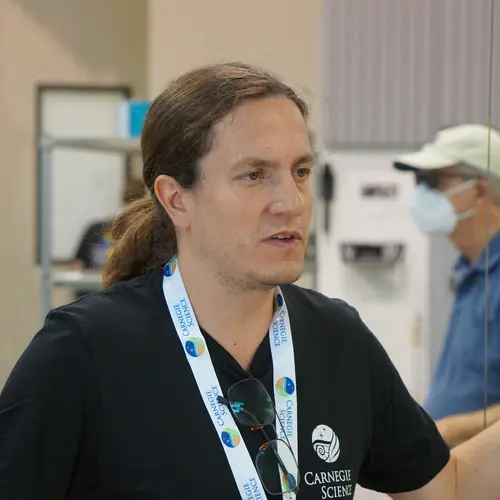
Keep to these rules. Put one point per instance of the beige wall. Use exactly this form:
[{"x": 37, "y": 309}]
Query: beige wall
[
  {"x": 77, "y": 41},
  {"x": 282, "y": 35}
]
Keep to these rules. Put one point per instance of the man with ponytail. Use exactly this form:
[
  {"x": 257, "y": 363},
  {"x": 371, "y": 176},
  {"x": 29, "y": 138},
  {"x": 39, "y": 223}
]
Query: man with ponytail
[{"x": 201, "y": 371}]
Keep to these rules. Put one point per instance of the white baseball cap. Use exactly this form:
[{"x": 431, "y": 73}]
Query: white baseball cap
[{"x": 469, "y": 145}]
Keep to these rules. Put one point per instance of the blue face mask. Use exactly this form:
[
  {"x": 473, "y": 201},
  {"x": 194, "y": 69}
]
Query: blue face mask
[{"x": 434, "y": 213}]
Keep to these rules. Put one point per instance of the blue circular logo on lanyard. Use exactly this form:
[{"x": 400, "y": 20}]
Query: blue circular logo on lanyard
[
  {"x": 285, "y": 386},
  {"x": 195, "y": 347},
  {"x": 278, "y": 302},
  {"x": 169, "y": 268}
]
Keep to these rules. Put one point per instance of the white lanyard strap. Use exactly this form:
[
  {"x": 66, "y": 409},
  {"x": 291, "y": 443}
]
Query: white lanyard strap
[{"x": 285, "y": 392}]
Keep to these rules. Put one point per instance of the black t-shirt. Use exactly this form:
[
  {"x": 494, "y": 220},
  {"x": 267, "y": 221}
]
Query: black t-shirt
[{"x": 103, "y": 406}]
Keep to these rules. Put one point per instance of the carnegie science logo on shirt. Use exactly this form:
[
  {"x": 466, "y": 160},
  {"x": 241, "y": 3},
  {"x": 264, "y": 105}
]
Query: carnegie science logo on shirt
[{"x": 332, "y": 483}]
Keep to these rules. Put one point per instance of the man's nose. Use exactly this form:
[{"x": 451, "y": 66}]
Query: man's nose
[{"x": 287, "y": 197}]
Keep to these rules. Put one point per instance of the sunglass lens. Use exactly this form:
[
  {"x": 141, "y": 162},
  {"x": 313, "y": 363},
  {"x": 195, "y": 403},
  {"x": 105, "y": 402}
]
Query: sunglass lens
[
  {"x": 251, "y": 403},
  {"x": 427, "y": 178},
  {"x": 277, "y": 467}
]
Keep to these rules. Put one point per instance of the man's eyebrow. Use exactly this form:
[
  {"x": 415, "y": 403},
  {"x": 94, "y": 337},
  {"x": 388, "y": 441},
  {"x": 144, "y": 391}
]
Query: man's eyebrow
[
  {"x": 305, "y": 158},
  {"x": 255, "y": 161}
]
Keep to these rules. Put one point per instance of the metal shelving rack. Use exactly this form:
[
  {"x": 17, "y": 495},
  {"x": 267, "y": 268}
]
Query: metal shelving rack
[{"x": 81, "y": 280}]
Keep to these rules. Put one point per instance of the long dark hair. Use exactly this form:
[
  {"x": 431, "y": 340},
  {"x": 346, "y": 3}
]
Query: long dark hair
[{"x": 177, "y": 133}]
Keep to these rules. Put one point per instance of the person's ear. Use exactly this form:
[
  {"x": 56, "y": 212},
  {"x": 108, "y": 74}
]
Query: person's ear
[
  {"x": 482, "y": 190},
  {"x": 173, "y": 199}
]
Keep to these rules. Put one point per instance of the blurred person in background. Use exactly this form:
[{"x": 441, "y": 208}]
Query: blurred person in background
[
  {"x": 458, "y": 197},
  {"x": 94, "y": 246},
  {"x": 96, "y": 242}
]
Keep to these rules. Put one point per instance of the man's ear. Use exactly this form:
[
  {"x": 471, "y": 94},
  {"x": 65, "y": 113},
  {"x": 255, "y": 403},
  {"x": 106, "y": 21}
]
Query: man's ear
[
  {"x": 482, "y": 189},
  {"x": 172, "y": 198}
]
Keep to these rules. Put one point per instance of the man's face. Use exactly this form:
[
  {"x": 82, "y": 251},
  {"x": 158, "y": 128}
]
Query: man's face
[{"x": 250, "y": 214}]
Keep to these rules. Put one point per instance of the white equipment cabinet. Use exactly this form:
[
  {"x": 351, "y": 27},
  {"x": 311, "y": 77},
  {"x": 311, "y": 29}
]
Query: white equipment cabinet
[
  {"x": 81, "y": 280},
  {"x": 376, "y": 259}
]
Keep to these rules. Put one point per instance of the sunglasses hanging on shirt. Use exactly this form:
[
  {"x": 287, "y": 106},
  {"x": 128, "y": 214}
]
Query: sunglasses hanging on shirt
[{"x": 252, "y": 406}]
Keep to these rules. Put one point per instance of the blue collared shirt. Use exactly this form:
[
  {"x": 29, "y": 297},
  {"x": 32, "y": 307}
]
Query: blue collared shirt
[{"x": 459, "y": 382}]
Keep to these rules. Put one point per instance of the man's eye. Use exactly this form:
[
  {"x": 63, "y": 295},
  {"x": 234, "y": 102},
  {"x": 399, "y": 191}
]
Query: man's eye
[
  {"x": 253, "y": 176},
  {"x": 303, "y": 172}
]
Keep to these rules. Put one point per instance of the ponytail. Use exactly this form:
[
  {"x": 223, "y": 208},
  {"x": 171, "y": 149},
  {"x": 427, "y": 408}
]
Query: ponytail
[{"x": 143, "y": 238}]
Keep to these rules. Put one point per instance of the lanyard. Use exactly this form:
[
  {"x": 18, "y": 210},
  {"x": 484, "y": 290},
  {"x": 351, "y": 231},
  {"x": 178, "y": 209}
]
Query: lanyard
[{"x": 285, "y": 393}]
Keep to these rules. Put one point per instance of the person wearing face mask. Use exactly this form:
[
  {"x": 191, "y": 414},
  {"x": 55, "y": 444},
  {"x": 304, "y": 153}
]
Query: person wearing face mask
[{"x": 458, "y": 195}]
